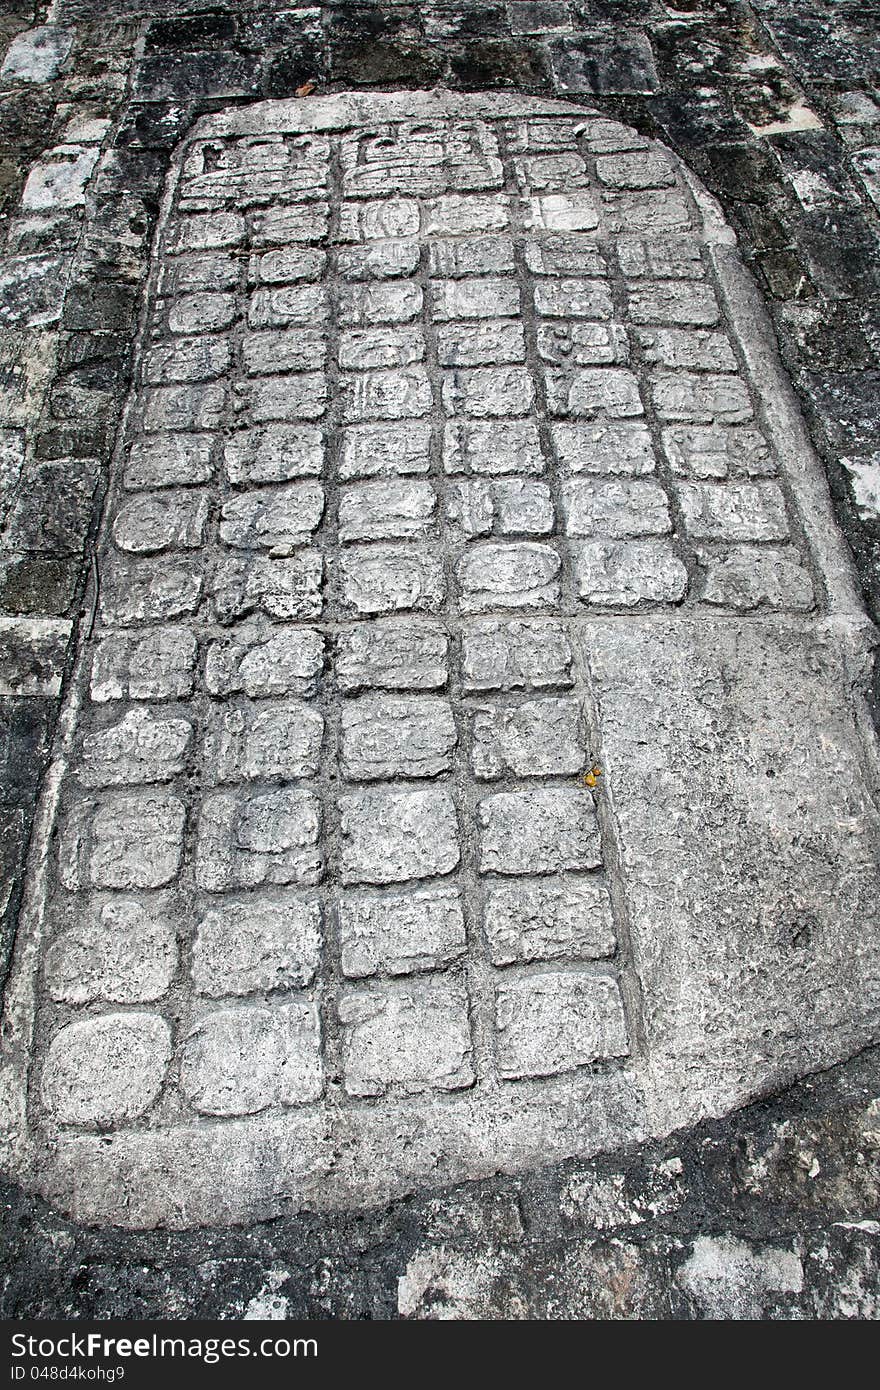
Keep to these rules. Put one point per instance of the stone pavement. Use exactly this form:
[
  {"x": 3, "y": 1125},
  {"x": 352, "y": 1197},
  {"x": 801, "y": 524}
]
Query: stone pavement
[{"x": 466, "y": 765}]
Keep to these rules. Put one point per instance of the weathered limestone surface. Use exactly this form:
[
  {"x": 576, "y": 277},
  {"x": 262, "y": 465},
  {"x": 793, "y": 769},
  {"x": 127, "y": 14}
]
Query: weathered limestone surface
[
  {"x": 469, "y": 729},
  {"x": 747, "y": 824}
]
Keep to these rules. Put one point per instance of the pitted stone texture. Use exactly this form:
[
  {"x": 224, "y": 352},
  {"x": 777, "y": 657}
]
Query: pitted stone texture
[
  {"x": 705, "y": 452},
  {"x": 538, "y": 832},
  {"x": 507, "y": 506},
  {"x": 184, "y": 407},
  {"x": 189, "y": 359},
  {"x": 442, "y": 400},
  {"x": 557, "y": 1021},
  {"x": 615, "y": 508},
  {"x": 276, "y": 742},
  {"x": 206, "y": 270},
  {"x": 702, "y": 349},
  {"x": 548, "y": 919},
  {"x": 104, "y": 1070},
  {"x": 37, "y": 55},
  {"x": 562, "y": 212},
  {"x": 673, "y": 303},
  {"x": 396, "y": 736},
  {"x": 386, "y": 395},
  {"x": 123, "y": 841},
  {"x": 59, "y": 180},
  {"x": 582, "y": 344},
  {"x": 747, "y": 827},
  {"x": 747, "y": 578},
  {"x": 475, "y": 255},
  {"x": 257, "y": 944},
  {"x": 300, "y": 306},
  {"x": 539, "y": 738},
  {"x": 204, "y": 232},
  {"x": 563, "y": 254},
  {"x": 150, "y": 591},
  {"x": 274, "y": 453},
  {"x": 389, "y": 836},
  {"x": 264, "y": 661},
  {"x": 361, "y": 349},
  {"x": 259, "y": 838},
  {"x": 399, "y": 934},
  {"x": 573, "y": 299},
  {"x": 286, "y": 588},
  {"x": 272, "y": 519},
  {"x": 123, "y": 951},
  {"x": 392, "y": 654},
  {"x": 703, "y": 398},
  {"x": 488, "y": 391},
  {"x": 508, "y": 576},
  {"x": 170, "y": 460},
  {"x": 493, "y": 447},
  {"x": 734, "y": 511},
  {"x": 387, "y": 511},
  {"x": 515, "y": 653},
  {"x": 156, "y": 665},
  {"x": 388, "y": 449},
  {"x": 626, "y": 573},
  {"x": 289, "y": 350},
  {"x": 299, "y": 396},
  {"x": 586, "y": 392},
  {"x": 482, "y": 344},
  {"x": 140, "y": 748},
  {"x": 364, "y": 305},
  {"x": 415, "y": 1036},
  {"x": 604, "y": 448},
  {"x": 238, "y": 1061},
  {"x": 389, "y": 579}
]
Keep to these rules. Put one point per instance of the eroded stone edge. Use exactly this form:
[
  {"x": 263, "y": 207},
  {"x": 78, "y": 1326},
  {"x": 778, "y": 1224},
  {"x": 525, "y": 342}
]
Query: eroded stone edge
[
  {"x": 321, "y": 1159},
  {"x": 19, "y": 1151},
  {"x": 749, "y": 841},
  {"x": 344, "y": 109},
  {"x": 782, "y": 415}
]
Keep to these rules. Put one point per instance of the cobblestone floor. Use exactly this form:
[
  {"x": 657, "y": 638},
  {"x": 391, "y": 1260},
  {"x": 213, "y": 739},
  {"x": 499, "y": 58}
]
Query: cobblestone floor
[{"x": 462, "y": 529}]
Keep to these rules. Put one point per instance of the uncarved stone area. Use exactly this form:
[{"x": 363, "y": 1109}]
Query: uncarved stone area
[{"x": 464, "y": 768}]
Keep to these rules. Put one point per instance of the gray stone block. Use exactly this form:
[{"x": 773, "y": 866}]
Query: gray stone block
[
  {"x": 513, "y": 653},
  {"x": 539, "y": 738},
  {"x": 123, "y": 950},
  {"x": 538, "y": 832},
  {"x": 567, "y": 918},
  {"x": 387, "y": 736},
  {"x": 392, "y": 654},
  {"x": 412, "y": 1036},
  {"x": 556, "y": 1021},
  {"x": 401, "y": 933},
  {"x": 272, "y": 743},
  {"x": 391, "y": 835},
  {"x": 626, "y": 573},
  {"x": 264, "y": 661},
  {"x": 37, "y": 55},
  {"x": 257, "y": 944},
  {"x": 103, "y": 1070},
  {"x": 239, "y": 1061}
]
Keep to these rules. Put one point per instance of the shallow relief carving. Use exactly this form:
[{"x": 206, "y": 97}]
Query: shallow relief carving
[{"x": 465, "y": 740}]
